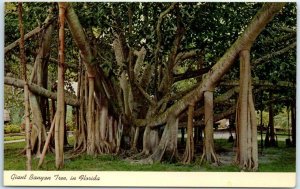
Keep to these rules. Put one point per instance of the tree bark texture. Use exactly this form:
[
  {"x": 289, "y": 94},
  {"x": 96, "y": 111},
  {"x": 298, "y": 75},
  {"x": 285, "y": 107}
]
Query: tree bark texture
[
  {"x": 38, "y": 132},
  {"x": 91, "y": 118},
  {"x": 99, "y": 132},
  {"x": 101, "y": 85},
  {"x": 247, "y": 153},
  {"x": 60, "y": 110},
  {"x": 40, "y": 91},
  {"x": 150, "y": 140},
  {"x": 124, "y": 83},
  {"x": 167, "y": 147},
  {"x": 26, "y": 90},
  {"x": 209, "y": 154},
  {"x": 46, "y": 143},
  {"x": 189, "y": 148},
  {"x": 38, "y": 103},
  {"x": 80, "y": 138}
]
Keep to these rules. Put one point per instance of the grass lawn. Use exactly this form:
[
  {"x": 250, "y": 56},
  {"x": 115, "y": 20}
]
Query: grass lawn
[
  {"x": 9, "y": 138},
  {"x": 280, "y": 159}
]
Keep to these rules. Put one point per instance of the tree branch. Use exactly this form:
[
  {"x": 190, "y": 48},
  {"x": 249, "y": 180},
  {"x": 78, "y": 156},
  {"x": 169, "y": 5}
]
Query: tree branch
[
  {"x": 186, "y": 55},
  {"x": 33, "y": 32},
  {"x": 145, "y": 94},
  {"x": 39, "y": 90},
  {"x": 74, "y": 67},
  {"x": 176, "y": 43},
  {"x": 139, "y": 61},
  {"x": 277, "y": 53},
  {"x": 279, "y": 39},
  {"x": 286, "y": 29},
  {"x": 223, "y": 97},
  {"x": 245, "y": 41},
  {"x": 101, "y": 83},
  {"x": 217, "y": 117},
  {"x": 261, "y": 83},
  {"x": 191, "y": 74},
  {"x": 159, "y": 39}
]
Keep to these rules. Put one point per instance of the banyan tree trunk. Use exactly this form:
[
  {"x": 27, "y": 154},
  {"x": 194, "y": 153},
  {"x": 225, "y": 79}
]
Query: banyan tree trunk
[
  {"x": 26, "y": 90},
  {"x": 60, "y": 110},
  {"x": 150, "y": 137},
  {"x": 247, "y": 153},
  {"x": 209, "y": 154},
  {"x": 118, "y": 134},
  {"x": 111, "y": 138},
  {"x": 38, "y": 104},
  {"x": 80, "y": 136},
  {"x": 38, "y": 133},
  {"x": 90, "y": 119},
  {"x": 42, "y": 71},
  {"x": 189, "y": 148},
  {"x": 167, "y": 147},
  {"x": 98, "y": 131},
  {"x": 150, "y": 140},
  {"x": 135, "y": 139}
]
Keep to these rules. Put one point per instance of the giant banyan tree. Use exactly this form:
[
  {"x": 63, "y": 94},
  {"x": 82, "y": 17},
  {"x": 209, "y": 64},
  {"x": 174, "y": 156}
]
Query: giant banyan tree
[{"x": 144, "y": 71}]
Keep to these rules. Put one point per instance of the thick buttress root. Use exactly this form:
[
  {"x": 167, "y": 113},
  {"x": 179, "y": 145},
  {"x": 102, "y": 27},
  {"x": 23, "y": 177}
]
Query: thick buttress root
[
  {"x": 167, "y": 148},
  {"x": 247, "y": 153},
  {"x": 210, "y": 157}
]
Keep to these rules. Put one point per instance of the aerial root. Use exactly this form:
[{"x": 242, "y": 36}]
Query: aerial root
[
  {"x": 137, "y": 157},
  {"x": 213, "y": 159},
  {"x": 103, "y": 147}
]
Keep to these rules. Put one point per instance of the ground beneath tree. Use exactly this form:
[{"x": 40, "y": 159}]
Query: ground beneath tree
[{"x": 280, "y": 159}]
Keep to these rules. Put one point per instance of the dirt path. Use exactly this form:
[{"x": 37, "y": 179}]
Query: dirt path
[{"x": 13, "y": 141}]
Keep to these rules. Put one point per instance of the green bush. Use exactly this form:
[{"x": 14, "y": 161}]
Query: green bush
[
  {"x": 7, "y": 129},
  {"x": 12, "y": 129},
  {"x": 71, "y": 126}
]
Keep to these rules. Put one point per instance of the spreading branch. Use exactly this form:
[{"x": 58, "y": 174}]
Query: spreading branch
[
  {"x": 191, "y": 74},
  {"x": 39, "y": 90},
  {"x": 145, "y": 94},
  {"x": 245, "y": 41},
  {"x": 159, "y": 39},
  {"x": 74, "y": 67},
  {"x": 219, "y": 99},
  {"x": 167, "y": 79},
  {"x": 186, "y": 55},
  {"x": 85, "y": 50},
  {"x": 277, "y": 53},
  {"x": 286, "y": 29},
  {"x": 283, "y": 38},
  {"x": 261, "y": 83},
  {"x": 176, "y": 43},
  {"x": 30, "y": 34},
  {"x": 217, "y": 117}
]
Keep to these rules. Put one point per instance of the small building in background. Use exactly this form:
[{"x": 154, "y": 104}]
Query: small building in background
[
  {"x": 222, "y": 124},
  {"x": 6, "y": 116}
]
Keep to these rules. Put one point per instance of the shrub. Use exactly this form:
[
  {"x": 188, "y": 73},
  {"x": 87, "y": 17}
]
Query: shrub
[
  {"x": 7, "y": 129},
  {"x": 12, "y": 129}
]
